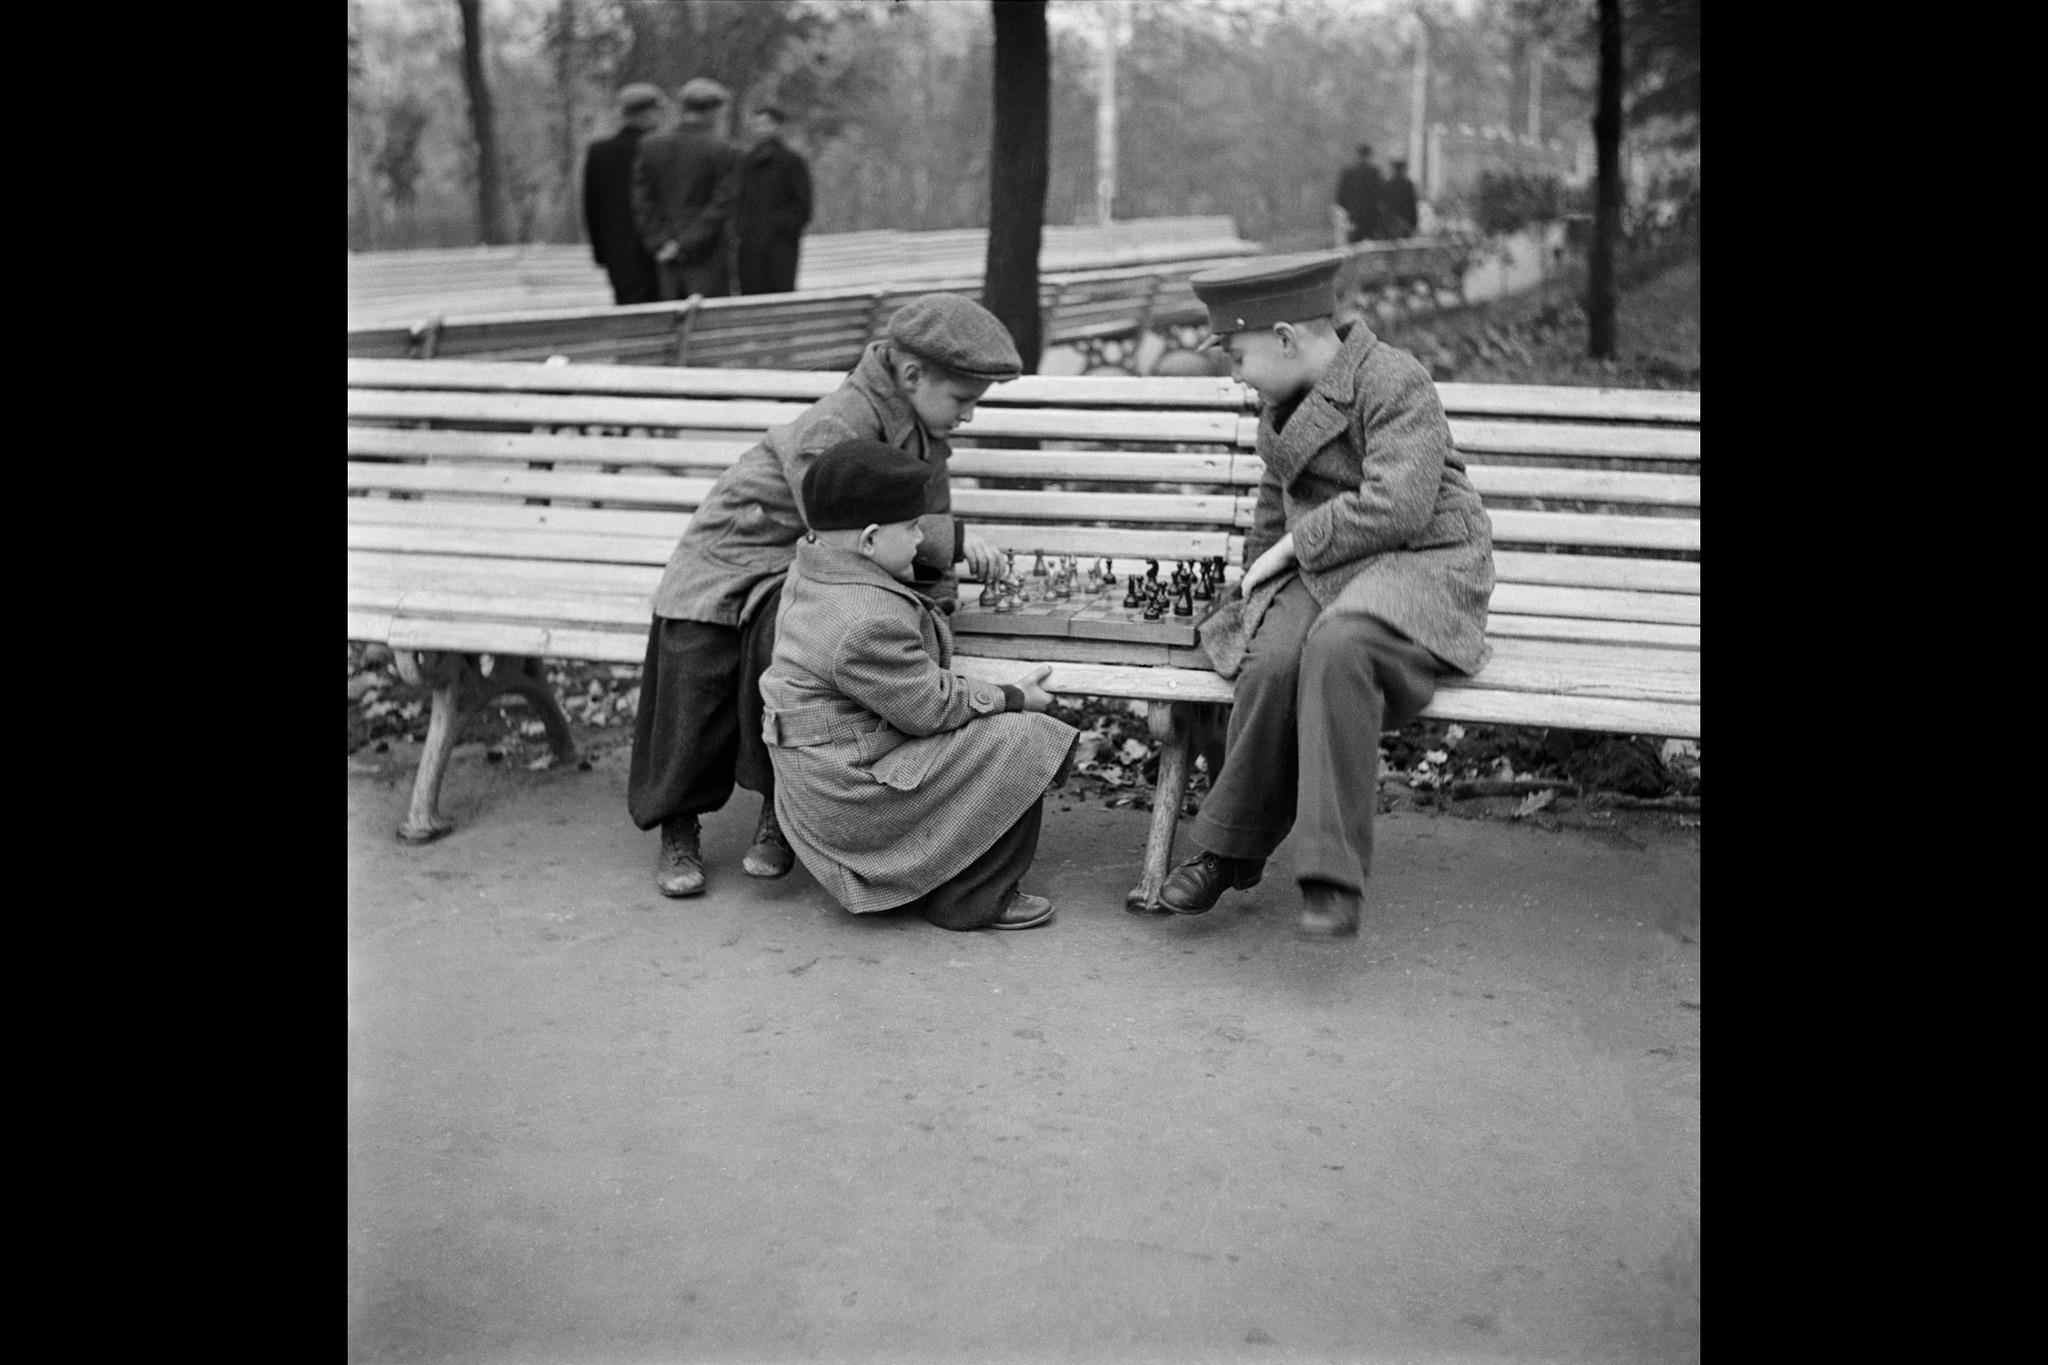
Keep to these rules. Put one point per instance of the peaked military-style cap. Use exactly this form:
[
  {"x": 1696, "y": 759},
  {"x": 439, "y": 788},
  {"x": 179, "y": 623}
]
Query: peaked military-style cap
[
  {"x": 1256, "y": 293},
  {"x": 637, "y": 96},
  {"x": 954, "y": 331}
]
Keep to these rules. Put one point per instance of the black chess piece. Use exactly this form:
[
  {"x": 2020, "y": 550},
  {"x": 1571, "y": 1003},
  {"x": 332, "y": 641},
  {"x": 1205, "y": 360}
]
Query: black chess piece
[
  {"x": 1155, "y": 609},
  {"x": 1152, "y": 570},
  {"x": 1205, "y": 591},
  {"x": 1038, "y": 564},
  {"x": 1183, "y": 604},
  {"x": 1131, "y": 593}
]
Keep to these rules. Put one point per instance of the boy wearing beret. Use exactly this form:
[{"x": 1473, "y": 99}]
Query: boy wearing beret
[
  {"x": 1369, "y": 566},
  {"x": 698, "y": 731},
  {"x": 900, "y": 783}
]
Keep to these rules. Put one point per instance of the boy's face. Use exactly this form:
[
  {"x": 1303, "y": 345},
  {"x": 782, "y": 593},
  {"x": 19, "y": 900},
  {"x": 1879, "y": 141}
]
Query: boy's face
[
  {"x": 1269, "y": 361},
  {"x": 943, "y": 405},
  {"x": 894, "y": 546}
]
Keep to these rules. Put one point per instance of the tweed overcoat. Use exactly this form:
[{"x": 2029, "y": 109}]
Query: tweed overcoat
[
  {"x": 744, "y": 534},
  {"x": 887, "y": 783},
  {"x": 1365, "y": 478}
]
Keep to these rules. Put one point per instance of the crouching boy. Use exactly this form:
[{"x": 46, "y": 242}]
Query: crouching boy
[{"x": 898, "y": 783}]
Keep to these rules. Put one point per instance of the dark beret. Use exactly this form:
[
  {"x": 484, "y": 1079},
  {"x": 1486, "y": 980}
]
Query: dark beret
[
  {"x": 1263, "y": 290},
  {"x": 954, "y": 331},
  {"x": 858, "y": 483}
]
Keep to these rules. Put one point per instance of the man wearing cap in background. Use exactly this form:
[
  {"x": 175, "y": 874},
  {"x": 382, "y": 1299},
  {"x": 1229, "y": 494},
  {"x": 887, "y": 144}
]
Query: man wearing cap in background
[
  {"x": 1358, "y": 194},
  {"x": 608, "y": 199},
  {"x": 772, "y": 209},
  {"x": 1398, "y": 209},
  {"x": 698, "y": 729},
  {"x": 1369, "y": 565},
  {"x": 683, "y": 188},
  {"x": 901, "y": 784}
]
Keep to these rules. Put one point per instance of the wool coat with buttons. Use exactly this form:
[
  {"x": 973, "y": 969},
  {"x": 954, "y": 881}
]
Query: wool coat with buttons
[
  {"x": 888, "y": 780},
  {"x": 744, "y": 534},
  {"x": 1384, "y": 520}
]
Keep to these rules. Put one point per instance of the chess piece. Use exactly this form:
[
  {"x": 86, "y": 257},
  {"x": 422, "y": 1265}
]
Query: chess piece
[
  {"x": 1094, "y": 580},
  {"x": 1154, "y": 609},
  {"x": 1152, "y": 570},
  {"x": 1183, "y": 604},
  {"x": 1131, "y": 593},
  {"x": 1038, "y": 565},
  {"x": 1205, "y": 590}
]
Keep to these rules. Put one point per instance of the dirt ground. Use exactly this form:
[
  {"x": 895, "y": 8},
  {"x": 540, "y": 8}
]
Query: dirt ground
[{"x": 590, "y": 1124}]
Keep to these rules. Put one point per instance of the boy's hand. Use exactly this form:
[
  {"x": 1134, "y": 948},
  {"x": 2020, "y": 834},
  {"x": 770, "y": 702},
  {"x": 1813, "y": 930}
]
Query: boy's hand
[
  {"x": 983, "y": 558},
  {"x": 1036, "y": 698},
  {"x": 1271, "y": 564}
]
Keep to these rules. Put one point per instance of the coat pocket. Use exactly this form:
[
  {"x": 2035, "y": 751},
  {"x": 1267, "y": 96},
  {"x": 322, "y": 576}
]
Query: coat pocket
[
  {"x": 906, "y": 766},
  {"x": 872, "y": 745}
]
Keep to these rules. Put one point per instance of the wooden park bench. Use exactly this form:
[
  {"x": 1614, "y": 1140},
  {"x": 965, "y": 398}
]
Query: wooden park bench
[
  {"x": 502, "y": 513},
  {"x": 1106, "y": 314}
]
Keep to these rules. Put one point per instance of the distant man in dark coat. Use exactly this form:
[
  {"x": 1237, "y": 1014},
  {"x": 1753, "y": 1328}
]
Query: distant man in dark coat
[
  {"x": 1369, "y": 567},
  {"x": 683, "y": 187},
  {"x": 1358, "y": 194},
  {"x": 1398, "y": 212},
  {"x": 772, "y": 209},
  {"x": 608, "y": 199}
]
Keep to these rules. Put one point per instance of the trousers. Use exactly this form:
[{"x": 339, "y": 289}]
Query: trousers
[
  {"x": 766, "y": 265},
  {"x": 976, "y": 894},
  {"x": 1315, "y": 694},
  {"x": 698, "y": 730}
]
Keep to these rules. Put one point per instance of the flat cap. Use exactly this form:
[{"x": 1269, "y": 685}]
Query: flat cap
[
  {"x": 954, "y": 331},
  {"x": 701, "y": 92},
  {"x": 637, "y": 96},
  {"x": 1267, "y": 289},
  {"x": 859, "y": 483}
]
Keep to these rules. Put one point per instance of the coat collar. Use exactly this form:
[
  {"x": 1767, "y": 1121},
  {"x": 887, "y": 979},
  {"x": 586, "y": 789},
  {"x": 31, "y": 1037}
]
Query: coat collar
[
  {"x": 1324, "y": 413},
  {"x": 872, "y": 378},
  {"x": 822, "y": 563}
]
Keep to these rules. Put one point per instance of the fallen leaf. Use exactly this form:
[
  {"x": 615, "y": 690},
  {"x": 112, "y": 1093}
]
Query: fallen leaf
[{"x": 1535, "y": 801}]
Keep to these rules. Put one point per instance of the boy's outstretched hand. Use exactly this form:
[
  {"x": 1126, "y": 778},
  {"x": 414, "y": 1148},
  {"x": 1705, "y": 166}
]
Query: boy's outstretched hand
[
  {"x": 1032, "y": 685},
  {"x": 983, "y": 558},
  {"x": 1271, "y": 564}
]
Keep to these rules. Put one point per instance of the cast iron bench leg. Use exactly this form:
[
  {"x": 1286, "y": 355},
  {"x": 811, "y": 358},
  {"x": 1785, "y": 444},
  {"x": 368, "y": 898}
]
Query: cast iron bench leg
[
  {"x": 1172, "y": 726},
  {"x": 445, "y": 674},
  {"x": 460, "y": 687}
]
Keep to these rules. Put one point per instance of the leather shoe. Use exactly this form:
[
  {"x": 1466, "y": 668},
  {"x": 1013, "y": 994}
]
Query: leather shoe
[
  {"x": 1023, "y": 911},
  {"x": 769, "y": 855},
  {"x": 1328, "y": 911},
  {"x": 1196, "y": 884},
  {"x": 681, "y": 869}
]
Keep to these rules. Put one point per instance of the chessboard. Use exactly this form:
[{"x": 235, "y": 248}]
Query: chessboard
[
  {"x": 1058, "y": 600},
  {"x": 1102, "y": 617}
]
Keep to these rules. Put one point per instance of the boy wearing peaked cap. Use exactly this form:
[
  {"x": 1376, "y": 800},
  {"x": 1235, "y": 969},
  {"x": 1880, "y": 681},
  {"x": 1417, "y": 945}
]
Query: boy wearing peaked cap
[
  {"x": 899, "y": 783},
  {"x": 1369, "y": 566},
  {"x": 698, "y": 731}
]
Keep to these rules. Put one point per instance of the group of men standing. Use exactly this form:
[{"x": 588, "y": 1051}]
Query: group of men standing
[
  {"x": 677, "y": 211},
  {"x": 1376, "y": 206}
]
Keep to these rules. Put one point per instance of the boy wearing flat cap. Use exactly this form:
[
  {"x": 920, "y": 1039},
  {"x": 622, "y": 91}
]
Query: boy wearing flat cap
[
  {"x": 899, "y": 783},
  {"x": 699, "y": 725},
  {"x": 1369, "y": 568}
]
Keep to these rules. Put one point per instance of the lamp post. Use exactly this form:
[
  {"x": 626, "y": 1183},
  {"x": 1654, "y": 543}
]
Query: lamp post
[{"x": 1105, "y": 119}]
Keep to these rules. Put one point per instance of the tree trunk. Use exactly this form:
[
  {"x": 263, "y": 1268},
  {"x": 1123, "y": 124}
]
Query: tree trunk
[
  {"x": 1018, "y": 166},
  {"x": 490, "y": 200},
  {"x": 1600, "y": 291}
]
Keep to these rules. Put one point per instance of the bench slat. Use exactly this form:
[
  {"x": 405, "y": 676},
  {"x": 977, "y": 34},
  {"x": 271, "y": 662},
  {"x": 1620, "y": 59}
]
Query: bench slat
[
  {"x": 662, "y": 490},
  {"x": 1513, "y": 527},
  {"x": 1455, "y": 700},
  {"x": 756, "y": 417},
  {"x": 691, "y": 452},
  {"x": 1596, "y": 571},
  {"x": 1680, "y": 406}
]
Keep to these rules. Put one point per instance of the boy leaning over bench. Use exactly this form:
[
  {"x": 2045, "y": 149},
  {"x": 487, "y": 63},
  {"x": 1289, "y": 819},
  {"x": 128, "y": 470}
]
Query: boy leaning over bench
[
  {"x": 900, "y": 783},
  {"x": 698, "y": 730},
  {"x": 1369, "y": 565}
]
